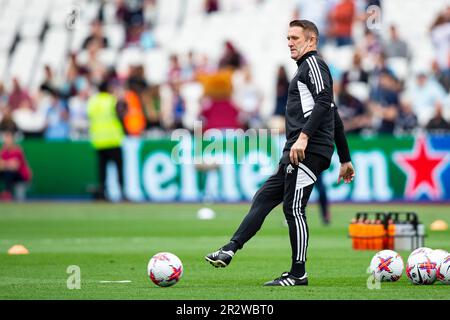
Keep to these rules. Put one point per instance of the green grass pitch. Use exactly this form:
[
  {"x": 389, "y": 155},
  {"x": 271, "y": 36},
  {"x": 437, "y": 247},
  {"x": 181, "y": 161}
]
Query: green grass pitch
[{"x": 113, "y": 242}]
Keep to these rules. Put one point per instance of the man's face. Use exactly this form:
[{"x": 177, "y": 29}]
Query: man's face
[{"x": 297, "y": 42}]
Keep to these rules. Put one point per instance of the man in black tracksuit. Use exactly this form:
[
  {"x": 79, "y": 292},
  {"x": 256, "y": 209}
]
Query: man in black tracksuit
[{"x": 313, "y": 126}]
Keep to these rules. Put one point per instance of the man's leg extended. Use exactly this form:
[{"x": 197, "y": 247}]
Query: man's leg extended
[
  {"x": 266, "y": 198},
  {"x": 298, "y": 188}
]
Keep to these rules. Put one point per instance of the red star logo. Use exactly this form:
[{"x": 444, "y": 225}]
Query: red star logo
[{"x": 422, "y": 167}]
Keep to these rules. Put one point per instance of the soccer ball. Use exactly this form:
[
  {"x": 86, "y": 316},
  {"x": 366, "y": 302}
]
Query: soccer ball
[
  {"x": 165, "y": 269},
  {"x": 443, "y": 270},
  {"x": 386, "y": 265},
  {"x": 206, "y": 214},
  {"x": 438, "y": 256},
  {"x": 421, "y": 269},
  {"x": 419, "y": 251}
]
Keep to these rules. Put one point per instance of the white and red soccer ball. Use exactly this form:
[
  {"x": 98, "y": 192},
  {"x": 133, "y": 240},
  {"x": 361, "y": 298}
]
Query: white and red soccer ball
[
  {"x": 443, "y": 270},
  {"x": 421, "y": 250},
  {"x": 421, "y": 268},
  {"x": 165, "y": 269},
  {"x": 438, "y": 256},
  {"x": 386, "y": 266}
]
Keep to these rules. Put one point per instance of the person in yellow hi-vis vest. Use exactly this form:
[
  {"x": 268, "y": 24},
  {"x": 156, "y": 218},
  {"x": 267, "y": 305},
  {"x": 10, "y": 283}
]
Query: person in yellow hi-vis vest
[{"x": 106, "y": 135}]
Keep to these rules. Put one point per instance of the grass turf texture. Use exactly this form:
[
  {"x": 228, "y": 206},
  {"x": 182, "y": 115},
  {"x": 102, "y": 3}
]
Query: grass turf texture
[{"x": 115, "y": 242}]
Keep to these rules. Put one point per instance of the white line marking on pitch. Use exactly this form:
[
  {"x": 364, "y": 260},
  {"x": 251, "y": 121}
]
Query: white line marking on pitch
[{"x": 115, "y": 281}]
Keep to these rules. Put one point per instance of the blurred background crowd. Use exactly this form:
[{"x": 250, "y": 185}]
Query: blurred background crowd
[{"x": 224, "y": 62}]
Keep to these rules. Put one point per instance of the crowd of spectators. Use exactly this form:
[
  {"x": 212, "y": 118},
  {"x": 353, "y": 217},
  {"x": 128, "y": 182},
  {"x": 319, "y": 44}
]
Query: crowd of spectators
[{"x": 371, "y": 99}]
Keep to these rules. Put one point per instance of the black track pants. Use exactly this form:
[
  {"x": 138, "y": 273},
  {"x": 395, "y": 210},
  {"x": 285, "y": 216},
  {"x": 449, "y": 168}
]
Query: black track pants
[{"x": 291, "y": 185}]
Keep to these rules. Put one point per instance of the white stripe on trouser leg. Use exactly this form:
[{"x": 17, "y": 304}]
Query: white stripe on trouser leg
[
  {"x": 303, "y": 180},
  {"x": 297, "y": 226},
  {"x": 298, "y": 223},
  {"x": 305, "y": 232},
  {"x": 302, "y": 242}
]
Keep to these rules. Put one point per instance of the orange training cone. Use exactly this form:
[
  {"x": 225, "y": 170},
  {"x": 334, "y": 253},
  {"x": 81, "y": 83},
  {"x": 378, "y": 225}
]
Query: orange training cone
[{"x": 18, "y": 249}]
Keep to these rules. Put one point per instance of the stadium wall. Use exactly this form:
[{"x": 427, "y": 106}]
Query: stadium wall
[{"x": 412, "y": 168}]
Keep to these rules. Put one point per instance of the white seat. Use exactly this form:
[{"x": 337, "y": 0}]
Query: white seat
[
  {"x": 164, "y": 35},
  {"x": 344, "y": 57},
  {"x": 359, "y": 90},
  {"x": 156, "y": 66},
  {"x": 109, "y": 12},
  {"x": 23, "y": 61},
  {"x": 53, "y": 53},
  {"x": 32, "y": 28},
  {"x": 33, "y": 18},
  {"x": 28, "y": 120},
  {"x": 115, "y": 33},
  {"x": 108, "y": 57},
  {"x": 89, "y": 11},
  {"x": 6, "y": 40},
  {"x": 399, "y": 66},
  {"x": 168, "y": 12},
  {"x": 128, "y": 57},
  {"x": 9, "y": 21},
  {"x": 3, "y": 64},
  {"x": 80, "y": 33},
  {"x": 70, "y": 13},
  {"x": 191, "y": 93},
  {"x": 16, "y": 5},
  {"x": 59, "y": 15},
  {"x": 193, "y": 8}
]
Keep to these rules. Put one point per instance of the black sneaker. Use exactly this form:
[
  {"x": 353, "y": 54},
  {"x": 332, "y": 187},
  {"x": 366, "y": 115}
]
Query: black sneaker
[
  {"x": 220, "y": 258},
  {"x": 288, "y": 279}
]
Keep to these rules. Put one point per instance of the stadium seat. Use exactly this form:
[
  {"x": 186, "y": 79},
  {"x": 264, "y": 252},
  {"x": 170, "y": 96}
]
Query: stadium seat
[
  {"x": 108, "y": 56},
  {"x": 9, "y": 21},
  {"x": 28, "y": 120},
  {"x": 169, "y": 12},
  {"x": 33, "y": 18},
  {"x": 156, "y": 65},
  {"x": 164, "y": 35},
  {"x": 115, "y": 33},
  {"x": 359, "y": 90},
  {"x": 3, "y": 64},
  {"x": 194, "y": 8},
  {"x": 23, "y": 61},
  {"x": 90, "y": 11},
  {"x": 109, "y": 12},
  {"x": 78, "y": 36},
  {"x": 191, "y": 93},
  {"x": 52, "y": 53},
  {"x": 344, "y": 57},
  {"x": 59, "y": 13},
  {"x": 399, "y": 66},
  {"x": 128, "y": 57},
  {"x": 6, "y": 39}
]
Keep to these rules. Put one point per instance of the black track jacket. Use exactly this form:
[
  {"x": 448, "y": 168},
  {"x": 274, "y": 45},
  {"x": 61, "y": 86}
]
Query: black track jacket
[{"x": 310, "y": 109}]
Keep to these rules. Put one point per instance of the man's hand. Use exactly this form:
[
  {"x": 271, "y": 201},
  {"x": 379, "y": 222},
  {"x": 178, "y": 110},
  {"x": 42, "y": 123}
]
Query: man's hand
[
  {"x": 297, "y": 153},
  {"x": 346, "y": 172}
]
